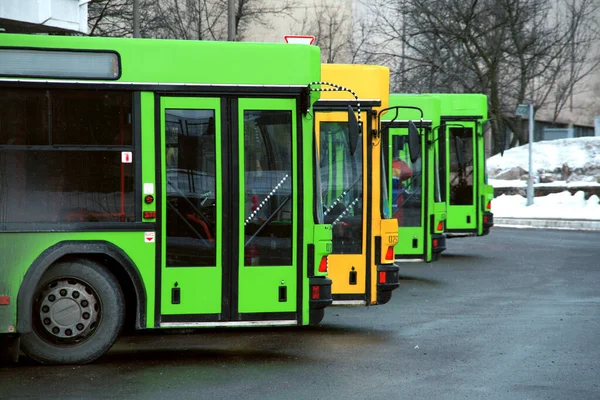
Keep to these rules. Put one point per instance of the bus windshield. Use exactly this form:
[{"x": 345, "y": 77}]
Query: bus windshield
[{"x": 341, "y": 187}]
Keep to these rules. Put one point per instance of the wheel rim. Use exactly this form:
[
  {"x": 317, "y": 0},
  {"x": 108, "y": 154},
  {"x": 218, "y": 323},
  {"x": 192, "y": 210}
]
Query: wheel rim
[{"x": 69, "y": 311}]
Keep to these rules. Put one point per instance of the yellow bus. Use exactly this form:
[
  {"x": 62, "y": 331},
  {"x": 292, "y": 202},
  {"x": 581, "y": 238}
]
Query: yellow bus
[{"x": 353, "y": 189}]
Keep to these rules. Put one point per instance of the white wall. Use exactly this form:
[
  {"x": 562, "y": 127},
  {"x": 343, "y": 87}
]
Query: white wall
[{"x": 64, "y": 14}]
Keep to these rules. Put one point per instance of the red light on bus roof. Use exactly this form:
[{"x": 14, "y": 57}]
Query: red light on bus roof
[
  {"x": 4, "y": 300},
  {"x": 389, "y": 254},
  {"x": 315, "y": 292},
  {"x": 382, "y": 276}
]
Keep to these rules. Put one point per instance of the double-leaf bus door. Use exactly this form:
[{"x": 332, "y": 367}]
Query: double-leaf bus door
[{"x": 228, "y": 220}]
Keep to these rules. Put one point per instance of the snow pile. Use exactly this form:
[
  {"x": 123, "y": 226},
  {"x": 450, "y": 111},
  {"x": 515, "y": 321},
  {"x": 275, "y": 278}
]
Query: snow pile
[
  {"x": 558, "y": 205},
  {"x": 558, "y": 163},
  {"x": 564, "y": 161}
]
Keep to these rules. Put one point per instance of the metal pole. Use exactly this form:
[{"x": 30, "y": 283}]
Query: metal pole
[
  {"x": 136, "y": 18},
  {"x": 530, "y": 179},
  {"x": 230, "y": 20}
]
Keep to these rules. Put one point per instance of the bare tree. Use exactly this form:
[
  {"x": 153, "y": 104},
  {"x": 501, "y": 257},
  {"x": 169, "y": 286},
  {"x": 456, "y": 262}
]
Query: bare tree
[
  {"x": 330, "y": 24},
  {"x": 259, "y": 12},
  {"x": 191, "y": 19},
  {"x": 183, "y": 19},
  {"x": 115, "y": 18},
  {"x": 514, "y": 51}
]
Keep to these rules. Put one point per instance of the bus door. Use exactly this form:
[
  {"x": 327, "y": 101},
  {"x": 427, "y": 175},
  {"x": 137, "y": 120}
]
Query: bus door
[
  {"x": 229, "y": 204},
  {"x": 342, "y": 185},
  {"x": 407, "y": 195},
  {"x": 461, "y": 190}
]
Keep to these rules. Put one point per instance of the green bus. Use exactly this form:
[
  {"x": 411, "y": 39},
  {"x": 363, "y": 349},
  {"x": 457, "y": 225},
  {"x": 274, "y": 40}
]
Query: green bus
[
  {"x": 415, "y": 200},
  {"x": 462, "y": 159},
  {"x": 155, "y": 184}
]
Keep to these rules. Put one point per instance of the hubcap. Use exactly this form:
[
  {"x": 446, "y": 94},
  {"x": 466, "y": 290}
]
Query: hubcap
[{"x": 69, "y": 309}]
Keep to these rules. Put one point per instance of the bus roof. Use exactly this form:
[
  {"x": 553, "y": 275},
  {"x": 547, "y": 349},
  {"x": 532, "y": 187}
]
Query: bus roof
[
  {"x": 191, "y": 61},
  {"x": 367, "y": 81},
  {"x": 430, "y": 104},
  {"x": 468, "y": 104}
]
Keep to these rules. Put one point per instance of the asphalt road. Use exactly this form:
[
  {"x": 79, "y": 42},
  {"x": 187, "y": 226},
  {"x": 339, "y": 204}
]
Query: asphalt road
[{"x": 514, "y": 315}]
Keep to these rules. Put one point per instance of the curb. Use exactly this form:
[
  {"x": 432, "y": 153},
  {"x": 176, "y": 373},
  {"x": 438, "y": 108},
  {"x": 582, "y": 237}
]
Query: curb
[{"x": 548, "y": 223}]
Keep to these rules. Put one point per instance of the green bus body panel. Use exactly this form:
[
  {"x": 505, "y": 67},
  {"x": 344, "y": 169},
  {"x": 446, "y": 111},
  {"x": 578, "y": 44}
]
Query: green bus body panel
[
  {"x": 20, "y": 250},
  {"x": 422, "y": 235},
  {"x": 193, "y": 61},
  {"x": 468, "y": 218}
]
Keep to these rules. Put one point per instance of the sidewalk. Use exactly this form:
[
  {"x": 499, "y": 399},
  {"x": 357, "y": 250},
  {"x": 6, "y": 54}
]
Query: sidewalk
[{"x": 548, "y": 223}]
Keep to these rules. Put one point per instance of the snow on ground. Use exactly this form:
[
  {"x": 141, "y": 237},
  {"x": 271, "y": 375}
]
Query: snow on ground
[
  {"x": 550, "y": 155},
  {"x": 505, "y": 183},
  {"x": 581, "y": 154},
  {"x": 557, "y": 205}
]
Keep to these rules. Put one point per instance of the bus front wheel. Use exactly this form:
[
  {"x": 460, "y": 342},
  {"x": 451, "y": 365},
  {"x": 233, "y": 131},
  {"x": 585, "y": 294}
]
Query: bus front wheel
[{"x": 78, "y": 312}]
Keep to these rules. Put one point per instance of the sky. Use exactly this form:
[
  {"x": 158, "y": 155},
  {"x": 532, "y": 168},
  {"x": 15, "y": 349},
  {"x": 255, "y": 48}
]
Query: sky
[{"x": 549, "y": 156}]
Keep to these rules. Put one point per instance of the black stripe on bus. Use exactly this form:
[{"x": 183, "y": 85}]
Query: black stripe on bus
[
  {"x": 370, "y": 259},
  {"x": 136, "y": 121},
  {"x": 299, "y": 198},
  {"x": 188, "y": 318},
  {"x": 236, "y": 136},
  {"x": 342, "y": 105},
  {"x": 268, "y": 316},
  {"x": 346, "y": 297},
  {"x": 448, "y": 118},
  {"x": 194, "y": 90},
  {"x": 425, "y": 190},
  {"x": 228, "y": 235},
  {"x": 24, "y": 227},
  {"x": 159, "y": 200}
]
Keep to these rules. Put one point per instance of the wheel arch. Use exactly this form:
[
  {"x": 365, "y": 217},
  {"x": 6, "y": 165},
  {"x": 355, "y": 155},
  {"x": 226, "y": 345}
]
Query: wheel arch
[{"x": 126, "y": 272}]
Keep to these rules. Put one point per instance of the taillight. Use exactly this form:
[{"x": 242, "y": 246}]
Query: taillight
[
  {"x": 149, "y": 214},
  {"x": 323, "y": 264},
  {"x": 389, "y": 254},
  {"x": 485, "y": 219},
  {"x": 315, "y": 292},
  {"x": 382, "y": 276},
  {"x": 4, "y": 300},
  {"x": 489, "y": 206},
  {"x": 435, "y": 243},
  {"x": 440, "y": 226}
]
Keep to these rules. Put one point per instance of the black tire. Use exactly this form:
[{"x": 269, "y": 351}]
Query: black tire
[{"x": 95, "y": 307}]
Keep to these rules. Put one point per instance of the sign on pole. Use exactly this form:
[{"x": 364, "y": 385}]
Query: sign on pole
[
  {"x": 299, "y": 39},
  {"x": 522, "y": 110}
]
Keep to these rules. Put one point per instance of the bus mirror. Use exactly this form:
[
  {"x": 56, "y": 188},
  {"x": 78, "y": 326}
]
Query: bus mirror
[
  {"x": 413, "y": 142},
  {"x": 460, "y": 155},
  {"x": 353, "y": 130}
]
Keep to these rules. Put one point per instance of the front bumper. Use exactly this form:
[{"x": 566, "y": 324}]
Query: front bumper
[
  {"x": 324, "y": 298},
  {"x": 438, "y": 245},
  {"x": 488, "y": 222},
  {"x": 388, "y": 279}
]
